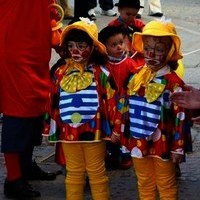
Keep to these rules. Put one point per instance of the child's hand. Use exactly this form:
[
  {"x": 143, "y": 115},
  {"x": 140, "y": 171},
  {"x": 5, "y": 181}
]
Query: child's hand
[
  {"x": 176, "y": 158},
  {"x": 115, "y": 137}
]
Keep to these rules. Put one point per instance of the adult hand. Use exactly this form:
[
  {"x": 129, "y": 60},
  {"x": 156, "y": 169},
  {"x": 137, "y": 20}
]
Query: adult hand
[{"x": 189, "y": 99}]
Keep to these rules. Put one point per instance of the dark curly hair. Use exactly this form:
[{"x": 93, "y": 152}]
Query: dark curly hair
[
  {"x": 77, "y": 35},
  {"x": 110, "y": 31}
]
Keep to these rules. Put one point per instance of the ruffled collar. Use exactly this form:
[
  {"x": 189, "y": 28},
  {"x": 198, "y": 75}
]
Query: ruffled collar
[
  {"x": 76, "y": 77},
  {"x": 143, "y": 78},
  {"x": 116, "y": 60}
]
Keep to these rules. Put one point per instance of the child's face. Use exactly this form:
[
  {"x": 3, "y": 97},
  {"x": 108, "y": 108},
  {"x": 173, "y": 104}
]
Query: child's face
[
  {"x": 79, "y": 51},
  {"x": 115, "y": 45},
  {"x": 128, "y": 14},
  {"x": 156, "y": 50}
]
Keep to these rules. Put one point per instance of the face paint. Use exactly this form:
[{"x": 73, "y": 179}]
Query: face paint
[
  {"x": 79, "y": 51},
  {"x": 156, "y": 50}
]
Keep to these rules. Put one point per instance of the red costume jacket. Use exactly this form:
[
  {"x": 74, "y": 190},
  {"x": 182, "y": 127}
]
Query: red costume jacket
[{"x": 134, "y": 26}]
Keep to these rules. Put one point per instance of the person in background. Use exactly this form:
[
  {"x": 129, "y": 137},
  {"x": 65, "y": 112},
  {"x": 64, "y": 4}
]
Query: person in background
[
  {"x": 154, "y": 10},
  {"x": 86, "y": 9},
  {"x": 80, "y": 10},
  {"x": 66, "y": 8},
  {"x": 105, "y": 5},
  {"x": 121, "y": 67},
  {"x": 128, "y": 10},
  {"x": 158, "y": 128},
  {"x": 24, "y": 85},
  {"x": 82, "y": 101}
]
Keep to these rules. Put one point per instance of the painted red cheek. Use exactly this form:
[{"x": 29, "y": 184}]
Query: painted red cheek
[{"x": 85, "y": 54}]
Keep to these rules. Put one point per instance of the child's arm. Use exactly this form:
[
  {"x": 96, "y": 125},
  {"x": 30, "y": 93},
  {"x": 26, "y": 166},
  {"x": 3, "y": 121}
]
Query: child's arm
[
  {"x": 52, "y": 118},
  {"x": 109, "y": 105},
  {"x": 182, "y": 134}
]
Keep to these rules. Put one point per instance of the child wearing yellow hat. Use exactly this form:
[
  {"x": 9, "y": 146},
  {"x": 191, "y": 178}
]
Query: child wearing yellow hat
[
  {"x": 157, "y": 126},
  {"x": 82, "y": 101}
]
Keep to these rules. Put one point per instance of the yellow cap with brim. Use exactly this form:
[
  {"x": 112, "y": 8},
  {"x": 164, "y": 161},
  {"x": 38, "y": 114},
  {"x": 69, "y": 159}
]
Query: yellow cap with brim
[
  {"x": 90, "y": 28},
  {"x": 159, "y": 28}
]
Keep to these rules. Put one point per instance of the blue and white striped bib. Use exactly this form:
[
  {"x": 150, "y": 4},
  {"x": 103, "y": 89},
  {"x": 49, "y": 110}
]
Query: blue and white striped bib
[
  {"x": 144, "y": 116},
  {"x": 79, "y": 107}
]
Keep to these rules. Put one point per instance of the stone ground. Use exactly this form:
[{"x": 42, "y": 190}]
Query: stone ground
[
  {"x": 185, "y": 14},
  {"x": 122, "y": 182}
]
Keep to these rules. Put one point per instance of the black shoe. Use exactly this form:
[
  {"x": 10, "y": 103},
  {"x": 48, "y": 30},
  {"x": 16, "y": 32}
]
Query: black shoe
[
  {"x": 19, "y": 189},
  {"x": 36, "y": 173},
  {"x": 138, "y": 16},
  {"x": 91, "y": 14},
  {"x": 92, "y": 17},
  {"x": 158, "y": 14}
]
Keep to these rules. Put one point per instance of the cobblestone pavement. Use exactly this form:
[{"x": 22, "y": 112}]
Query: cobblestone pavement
[
  {"x": 122, "y": 182},
  {"x": 185, "y": 14}
]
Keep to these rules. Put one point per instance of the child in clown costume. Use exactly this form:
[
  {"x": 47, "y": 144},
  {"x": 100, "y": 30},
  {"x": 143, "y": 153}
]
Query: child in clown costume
[
  {"x": 158, "y": 128},
  {"x": 121, "y": 67},
  {"x": 128, "y": 10},
  {"x": 81, "y": 99}
]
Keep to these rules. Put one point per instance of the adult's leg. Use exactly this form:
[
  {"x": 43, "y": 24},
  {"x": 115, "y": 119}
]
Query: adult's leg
[
  {"x": 154, "y": 7},
  {"x": 67, "y": 10},
  {"x": 12, "y": 146},
  {"x": 141, "y": 9},
  {"x": 106, "y": 4},
  {"x": 12, "y": 131},
  {"x": 81, "y": 8},
  {"x": 92, "y": 4},
  {"x": 91, "y": 9},
  {"x": 12, "y": 159},
  {"x": 30, "y": 170}
]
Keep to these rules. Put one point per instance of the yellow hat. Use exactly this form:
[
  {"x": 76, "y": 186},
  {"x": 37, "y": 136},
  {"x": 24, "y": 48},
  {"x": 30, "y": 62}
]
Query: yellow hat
[
  {"x": 90, "y": 28},
  {"x": 159, "y": 28}
]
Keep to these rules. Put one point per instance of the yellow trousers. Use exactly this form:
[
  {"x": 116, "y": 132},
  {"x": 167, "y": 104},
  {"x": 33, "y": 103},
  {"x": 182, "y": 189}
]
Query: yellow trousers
[
  {"x": 154, "y": 175},
  {"x": 82, "y": 158}
]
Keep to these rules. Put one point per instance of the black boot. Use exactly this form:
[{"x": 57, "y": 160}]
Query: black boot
[
  {"x": 36, "y": 173},
  {"x": 19, "y": 189}
]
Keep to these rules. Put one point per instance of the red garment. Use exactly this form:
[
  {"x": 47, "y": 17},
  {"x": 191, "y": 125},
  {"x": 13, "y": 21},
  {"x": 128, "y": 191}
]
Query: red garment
[
  {"x": 134, "y": 26},
  {"x": 92, "y": 126},
  {"x": 12, "y": 159},
  {"x": 121, "y": 71},
  {"x": 130, "y": 27},
  {"x": 173, "y": 127},
  {"x": 25, "y": 51},
  {"x": 136, "y": 23}
]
